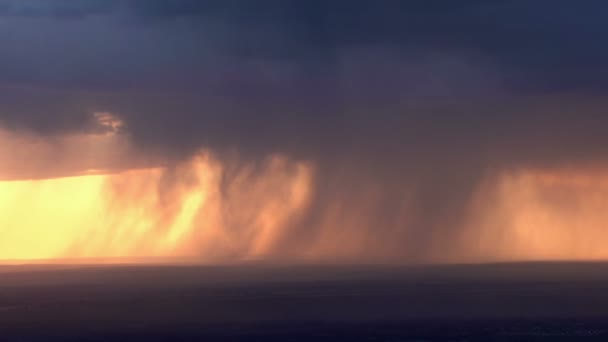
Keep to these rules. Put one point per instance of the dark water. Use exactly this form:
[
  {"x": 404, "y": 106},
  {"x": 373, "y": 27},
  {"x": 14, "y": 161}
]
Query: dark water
[{"x": 499, "y": 302}]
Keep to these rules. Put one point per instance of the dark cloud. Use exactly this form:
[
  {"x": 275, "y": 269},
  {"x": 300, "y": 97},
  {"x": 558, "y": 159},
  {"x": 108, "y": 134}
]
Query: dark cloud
[
  {"x": 298, "y": 76},
  {"x": 545, "y": 42},
  {"x": 416, "y": 98},
  {"x": 57, "y": 8}
]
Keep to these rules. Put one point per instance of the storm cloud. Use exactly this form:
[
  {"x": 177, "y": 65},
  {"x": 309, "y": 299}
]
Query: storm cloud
[{"x": 399, "y": 103}]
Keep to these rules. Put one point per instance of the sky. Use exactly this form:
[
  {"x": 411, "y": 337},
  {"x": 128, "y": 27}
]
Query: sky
[{"x": 403, "y": 117}]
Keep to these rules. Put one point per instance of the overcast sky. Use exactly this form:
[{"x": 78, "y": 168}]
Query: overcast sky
[{"x": 424, "y": 95}]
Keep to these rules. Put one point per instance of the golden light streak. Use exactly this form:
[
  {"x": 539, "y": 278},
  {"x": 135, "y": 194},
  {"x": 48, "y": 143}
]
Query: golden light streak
[
  {"x": 191, "y": 211},
  {"x": 153, "y": 212}
]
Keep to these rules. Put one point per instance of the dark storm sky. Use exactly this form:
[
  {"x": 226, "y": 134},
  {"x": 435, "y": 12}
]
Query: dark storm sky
[
  {"x": 418, "y": 99},
  {"x": 304, "y": 76}
]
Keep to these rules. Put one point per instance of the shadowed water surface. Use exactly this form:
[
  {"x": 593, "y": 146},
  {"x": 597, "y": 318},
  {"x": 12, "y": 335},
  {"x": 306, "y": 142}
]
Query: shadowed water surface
[{"x": 502, "y": 302}]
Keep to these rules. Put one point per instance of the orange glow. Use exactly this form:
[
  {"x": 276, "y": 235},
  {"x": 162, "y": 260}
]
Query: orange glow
[
  {"x": 183, "y": 212},
  {"x": 191, "y": 211},
  {"x": 541, "y": 215},
  {"x": 115, "y": 206}
]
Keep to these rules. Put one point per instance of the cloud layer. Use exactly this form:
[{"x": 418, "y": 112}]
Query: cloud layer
[{"x": 396, "y": 103}]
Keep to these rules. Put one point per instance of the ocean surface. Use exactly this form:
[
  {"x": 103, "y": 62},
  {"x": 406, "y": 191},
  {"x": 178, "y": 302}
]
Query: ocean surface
[{"x": 254, "y": 302}]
